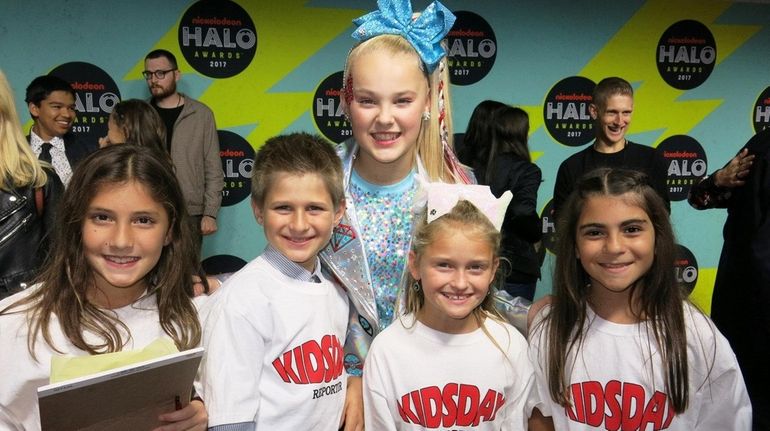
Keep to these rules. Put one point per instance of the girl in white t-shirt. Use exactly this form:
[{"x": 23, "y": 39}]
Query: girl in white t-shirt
[
  {"x": 619, "y": 346},
  {"x": 451, "y": 362},
  {"x": 117, "y": 279}
]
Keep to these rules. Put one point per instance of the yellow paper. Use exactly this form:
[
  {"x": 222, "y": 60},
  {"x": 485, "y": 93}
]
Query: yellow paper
[{"x": 70, "y": 367}]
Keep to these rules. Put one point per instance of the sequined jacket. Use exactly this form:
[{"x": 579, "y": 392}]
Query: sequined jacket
[{"x": 345, "y": 257}]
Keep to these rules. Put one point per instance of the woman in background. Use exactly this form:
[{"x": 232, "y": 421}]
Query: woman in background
[
  {"x": 478, "y": 132},
  {"x": 503, "y": 162},
  {"x": 135, "y": 121}
]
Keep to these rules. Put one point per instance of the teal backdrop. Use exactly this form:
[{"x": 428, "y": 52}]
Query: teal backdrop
[{"x": 538, "y": 44}]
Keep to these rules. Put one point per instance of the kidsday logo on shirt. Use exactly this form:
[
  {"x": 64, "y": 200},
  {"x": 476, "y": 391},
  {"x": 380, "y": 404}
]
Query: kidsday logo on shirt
[
  {"x": 454, "y": 405},
  {"x": 566, "y": 113},
  {"x": 762, "y": 111},
  {"x": 619, "y": 406},
  {"x": 328, "y": 115},
  {"x": 472, "y": 48},
  {"x": 96, "y": 94},
  {"x": 686, "y": 54},
  {"x": 217, "y": 38},
  {"x": 311, "y": 362}
]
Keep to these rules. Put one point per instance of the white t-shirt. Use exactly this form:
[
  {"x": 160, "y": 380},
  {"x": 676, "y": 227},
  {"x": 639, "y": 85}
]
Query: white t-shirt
[
  {"x": 274, "y": 352},
  {"x": 20, "y": 375},
  {"x": 418, "y": 378},
  {"x": 616, "y": 379}
]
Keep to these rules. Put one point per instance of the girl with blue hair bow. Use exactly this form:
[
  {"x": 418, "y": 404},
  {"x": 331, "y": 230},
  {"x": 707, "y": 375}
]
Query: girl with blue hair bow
[{"x": 395, "y": 95}]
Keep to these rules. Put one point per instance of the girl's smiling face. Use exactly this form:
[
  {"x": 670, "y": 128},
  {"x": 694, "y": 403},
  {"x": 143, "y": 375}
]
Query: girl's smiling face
[
  {"x": 124, "y": 233},
  {"x": 455, "y": 271},
  {"x": 389, "y": 97},
  {"x": 615, "y": 243}
]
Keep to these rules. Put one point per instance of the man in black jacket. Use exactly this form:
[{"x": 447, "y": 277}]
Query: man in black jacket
[{"x": 740, "y": 305}]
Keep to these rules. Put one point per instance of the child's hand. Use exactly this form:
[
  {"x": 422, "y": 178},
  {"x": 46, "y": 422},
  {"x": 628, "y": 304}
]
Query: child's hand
[
  {"x": 191, "y": 417},
  {"x": 199, "y": 289},
  {"x": 353, "y": 412}
]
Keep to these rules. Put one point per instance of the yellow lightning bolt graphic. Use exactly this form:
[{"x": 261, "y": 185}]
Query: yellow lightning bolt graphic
[
  {"x": 288, "y": 33},
  {"x": 631, "y": 54}
]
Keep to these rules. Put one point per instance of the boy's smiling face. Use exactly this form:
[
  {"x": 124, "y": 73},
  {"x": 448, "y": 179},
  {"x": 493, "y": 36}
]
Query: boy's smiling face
[
  {"x": 298, "y": 216},
  {"x": 54, "y": 115},
  {"x": 612, "y": 120}
]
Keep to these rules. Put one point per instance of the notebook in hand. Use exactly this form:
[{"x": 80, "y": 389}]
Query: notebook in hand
[{"x": 125, "y": 398}]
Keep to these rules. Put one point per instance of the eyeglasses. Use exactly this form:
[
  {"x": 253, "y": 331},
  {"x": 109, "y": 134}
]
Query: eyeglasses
[{"x": 160, "y": 74}]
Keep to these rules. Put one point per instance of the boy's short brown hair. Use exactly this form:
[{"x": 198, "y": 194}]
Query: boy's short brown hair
[
  {"x": 297, "y": 153},
  {"x": 609, "y": 87}
]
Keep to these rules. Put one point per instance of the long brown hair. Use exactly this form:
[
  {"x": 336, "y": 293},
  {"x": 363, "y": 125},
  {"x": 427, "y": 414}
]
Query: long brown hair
[
  {"x": 656, "y": 296},
  {"x": 141, "y": 124},
  {"x": 67, "y": 274}
]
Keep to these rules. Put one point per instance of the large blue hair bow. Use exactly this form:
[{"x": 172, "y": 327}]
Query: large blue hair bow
[{"x": 424, "y": 33}]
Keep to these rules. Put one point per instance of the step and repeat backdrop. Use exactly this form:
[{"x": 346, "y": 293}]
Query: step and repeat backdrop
[{"x": 699, "y": 70}]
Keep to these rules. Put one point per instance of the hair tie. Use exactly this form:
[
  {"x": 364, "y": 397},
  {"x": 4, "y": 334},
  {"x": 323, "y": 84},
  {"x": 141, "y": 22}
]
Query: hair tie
[{"x": 424, "y": 33}]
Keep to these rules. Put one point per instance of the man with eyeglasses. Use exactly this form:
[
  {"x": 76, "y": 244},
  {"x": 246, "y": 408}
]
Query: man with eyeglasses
[{"x": 191, "y": 139}]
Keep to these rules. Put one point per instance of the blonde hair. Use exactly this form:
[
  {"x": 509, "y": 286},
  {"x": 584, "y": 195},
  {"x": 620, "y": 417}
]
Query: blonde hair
[
  {"x": 18, "y": 165},
  {"x": 467, "y": 218},
  {"x": 429, "y": 142}
]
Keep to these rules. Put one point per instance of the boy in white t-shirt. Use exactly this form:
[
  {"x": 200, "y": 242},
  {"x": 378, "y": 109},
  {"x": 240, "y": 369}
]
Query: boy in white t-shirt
[{"x": 275, "y": 331}]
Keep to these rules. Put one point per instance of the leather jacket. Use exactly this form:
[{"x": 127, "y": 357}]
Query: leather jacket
[{"x": 25, "y": 235}]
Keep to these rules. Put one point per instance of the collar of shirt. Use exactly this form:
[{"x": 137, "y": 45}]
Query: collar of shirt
[
  {"x": 36, "y": 142},
  {"x": 291, "y": 269}
]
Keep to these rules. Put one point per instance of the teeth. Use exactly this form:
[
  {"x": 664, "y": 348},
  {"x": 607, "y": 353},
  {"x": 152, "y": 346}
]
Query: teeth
[
  {"x": 122, "y": 259},
  {"x": 385, "y": 136}
]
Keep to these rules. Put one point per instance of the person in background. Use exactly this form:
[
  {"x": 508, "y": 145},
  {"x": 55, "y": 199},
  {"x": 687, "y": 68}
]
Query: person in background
[
  {"x": 51, "y": 104},
  {"x": 191, "y": 140},
  {"x": 29, "y": 192},
  {"x": 478, "y": 132},
  {"x": 135, "y": 121},
  {"x": 611, "y": 109},
  {"x": 740, "y": 306},
  {"x": 503, "y": 162}
]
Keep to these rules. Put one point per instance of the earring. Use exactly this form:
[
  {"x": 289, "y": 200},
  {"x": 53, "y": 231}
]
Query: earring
[
  {"x": 416, "y": 286},
  {"x": 426, "y": 115}
]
